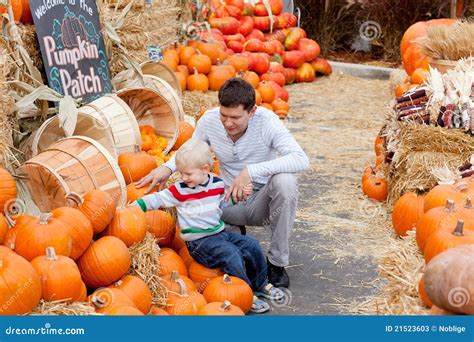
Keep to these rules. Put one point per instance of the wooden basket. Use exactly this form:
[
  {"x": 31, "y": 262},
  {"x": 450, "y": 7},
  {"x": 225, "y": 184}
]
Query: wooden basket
[
  {"x": 108, "y": 120},
  {"x": 155, "y": 83},
  {"x": 75, "y": 164},
  {"x": 151, "y": 108}
]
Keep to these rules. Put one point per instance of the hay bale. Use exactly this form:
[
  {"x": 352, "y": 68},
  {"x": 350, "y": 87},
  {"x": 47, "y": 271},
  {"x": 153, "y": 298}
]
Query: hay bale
[
  {"x": 145, "y": 265},
  {"x": 422, "y": 149},
  {"x": 63, "y": 308},
  {"x": 195, "y": 101},
  {"x": 6, "y": 111}
]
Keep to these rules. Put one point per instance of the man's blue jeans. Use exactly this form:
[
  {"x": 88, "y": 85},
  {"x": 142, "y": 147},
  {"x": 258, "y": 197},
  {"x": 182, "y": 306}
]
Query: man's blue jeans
[{"x": 236, "y": 255}]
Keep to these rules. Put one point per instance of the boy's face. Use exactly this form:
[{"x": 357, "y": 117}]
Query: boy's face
[
  {"x": 193, "y": 175},
  {"x": 235, "y": 120}
]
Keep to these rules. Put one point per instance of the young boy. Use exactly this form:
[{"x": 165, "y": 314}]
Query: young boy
[{"x": 199, "y": 198}]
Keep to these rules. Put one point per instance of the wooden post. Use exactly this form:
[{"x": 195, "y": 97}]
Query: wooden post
[{"x": 454, "y": 5}]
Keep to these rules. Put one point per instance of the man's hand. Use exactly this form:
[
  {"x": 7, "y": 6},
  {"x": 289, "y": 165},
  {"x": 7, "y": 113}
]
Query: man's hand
[
  {"x": 157, "y": 176},
  {"x": 241, "y": 187}
]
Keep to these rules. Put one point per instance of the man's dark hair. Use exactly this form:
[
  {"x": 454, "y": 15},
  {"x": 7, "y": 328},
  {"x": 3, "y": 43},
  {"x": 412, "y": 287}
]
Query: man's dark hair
[{"x": 236, "y": 92}]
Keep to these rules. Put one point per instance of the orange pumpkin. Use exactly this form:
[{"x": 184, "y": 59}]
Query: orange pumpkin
[
  {"x": 239, "y": 62},
  {"x": 183, "y": 69},
  {"x": 445, "y": 238},
  {"x": 60, "y": 276},
  {"x": 423, "y": 295},
  {"x": 305, "y": 73},
  {"x": 12, "y": 232},
  {"x": 97, "y": 205},
  {"x": 3, "y": 229},
  {"x": 407, "y": 212},
  {"x": 135, "y": 166},
  {"x": 156, "y": 311},
  {"x": 185, "y": 54},
  {"x": 280, "y": 108},
  {"x": 419, "y": 76},
  {"x": 413, "y": 59},
  {"x": 201, "y": 275},
  {"x": 134, "y": 193},
  {"x": 220, "y": 309},
  {"x": 252, "y": 78},
  {"x": 201, "y": 63},
  {"x": 184, "y": 134},
  {"x": 128, "y": 224},
  {"x": 267, "y": 106},
  {"x": 104, "y": 262},
  {"x": 17, "y": 273},
  {"x": 258, "y": 98},
  {"x": 17, "y": 6},
  {"x": 197, "y": 82},
  {"x": 181, "y": 79},
  {"x": 137, "y": 290},
  {"x": 267, "y": 92},
  {"x": 185, "y": 303},
  {"x": 161, "y": 225},
  {"x": 437, "y": 196},
  {"x": 35, "y": 236},
  {"x": 233, "y": 289},
  {"x": 209, "y": 50},
  {"x": 417, "y": 30},
  {"x": 217, "y": 78},
  {"x": 375, "y": 187},
  {"x": 109, "y": 298},
  {"x": 7, "y": 190},
  {"x": 170, "y": 282},
  {"x": 401, "y": 88},
  {"x": 80, "y": 229},
  {"x": 170, "y": 261}
]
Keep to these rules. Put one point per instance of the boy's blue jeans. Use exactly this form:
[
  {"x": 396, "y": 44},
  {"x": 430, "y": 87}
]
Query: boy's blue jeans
[{"x": 237, "y": 255}]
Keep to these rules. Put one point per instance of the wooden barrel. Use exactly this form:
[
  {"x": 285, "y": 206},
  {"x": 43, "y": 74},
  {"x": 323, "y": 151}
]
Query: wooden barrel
[
  {"x": 75, "y": 164},
  {"x": 151, "y": 108},
  {"x": 108, "y": 120},
  {"x": 127, "y": 80}
]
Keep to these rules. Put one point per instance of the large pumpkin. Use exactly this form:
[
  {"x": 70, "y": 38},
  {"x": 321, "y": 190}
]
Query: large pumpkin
[
  {"x": 35, "y": 236},
  {"x": 59, "y": 275},
  {"x": 104, "y": 262},
  {"x": 134, "y": 193},
  {"x": 128, "y": 224},
  {"x": 233, "y": 289},
  {"x": 109, "y": 298},
  {"x": 161, "y": 225},
  {"x": 201, "y": 275},
  {"x": 10, "y": 238},
  {"x": 80, "y": 229},
  {"x": 185, "y": 303},
  {"x": 171, "y": 283},
  {"x": 170, "y": 261},
  {"x": 7, "y": 190},
  {"x": 20, "y": 285},
  {"x": 449, "y": 280},
  {"x": 221, "y": 309},
  {"x": 97, "y": 205},
  {"x": 137, "y": 290},
  {"x": 406, "y": 212},
  {"x": 437, "y": 196},
  {"x": 135, "y": 166}
]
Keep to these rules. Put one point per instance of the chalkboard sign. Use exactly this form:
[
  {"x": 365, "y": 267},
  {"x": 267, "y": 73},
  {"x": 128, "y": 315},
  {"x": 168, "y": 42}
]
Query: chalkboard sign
[{"x": 72, "y": 47}]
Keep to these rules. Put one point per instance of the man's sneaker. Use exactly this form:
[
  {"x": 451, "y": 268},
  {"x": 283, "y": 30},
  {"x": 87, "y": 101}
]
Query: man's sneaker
[{"x": 277, "y": 275}]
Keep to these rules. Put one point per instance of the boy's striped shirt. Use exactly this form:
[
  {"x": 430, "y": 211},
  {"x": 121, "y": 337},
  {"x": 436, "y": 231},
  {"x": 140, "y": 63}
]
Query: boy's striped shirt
[{"x": 199, "y": 208}]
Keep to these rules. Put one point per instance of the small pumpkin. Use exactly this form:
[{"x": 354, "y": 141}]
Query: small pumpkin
[
  {"x": 290, "y": 75},
  {"x": 97, "y": 205},
  {"x": 182, "y": 81},
  {"x": 128, "y": 224},
  {"x": 280, "y": 108},
  {"x": 407, "y": 212},
  {"x": 135, "y": 166},
  {"x": 185, "y": 303},
  {"x": 218, "y": 77},
  {"x": 293, "y": 37},
  {"x": 310, "y": 48},
  {"x": 437, "y": 196},
  {"x": 239, "y": 62},
  {"x": 104, "y": 262},
  {"x": 161, "y": 225},
  {"x": 137, "y": 290},
  {"x": 17, "y": 273},
  {"x": 293, "y": 59},
  {"x": 35, "y": 236},
  {"x": 201, "y": 63},
  {"x": 197, "y": 82},
  {"x": 267, "y": 92},
  {"x": 170, "y": 261},
  {"x": 7, "y": 190},
  {"x": 276, "y": 77},
  {"x": 252, "y": 78},
  {"x": 134, "y": 193},
  {"x": 260, "y": 63},
  {"x": 170, "y": 282},
  {"x": 305, "y": 73},
  {"x": 233, "y": 289},
  {"x": 18, "y": 220},
  {"x": 443, "y": 239},
  {"x": 185, "y": 132},
  {"x": 185, "y": 54},
  {"x": 448, "y": 280},
  {"x": 375, "y": 187},
  {"x": 321, "y": 66},
  {"x": 209, "y": 50},
  {"x": 59, "y": 275},
  {"x": 221, "y": 309},
  {"x": 201, "y": 275}
]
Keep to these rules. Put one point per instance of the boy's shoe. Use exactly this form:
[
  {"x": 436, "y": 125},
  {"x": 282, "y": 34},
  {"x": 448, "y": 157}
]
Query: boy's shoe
[
  {"x": 259, "y": 306},
  {"x": 270, "y": 292},
  {"x": 277, "y": 275}
]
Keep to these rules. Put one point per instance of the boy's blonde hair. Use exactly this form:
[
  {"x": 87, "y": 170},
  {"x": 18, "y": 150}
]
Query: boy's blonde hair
[{"x": 194, "y": 152}]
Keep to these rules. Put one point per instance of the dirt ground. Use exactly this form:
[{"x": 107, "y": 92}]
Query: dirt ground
[{"x": 333, "y": 260}]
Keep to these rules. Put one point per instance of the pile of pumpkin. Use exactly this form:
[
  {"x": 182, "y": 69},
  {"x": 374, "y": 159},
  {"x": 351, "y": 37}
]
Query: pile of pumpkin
[
  {"x": 86, "y": 246},
  {"x": 415, "y": 62}
]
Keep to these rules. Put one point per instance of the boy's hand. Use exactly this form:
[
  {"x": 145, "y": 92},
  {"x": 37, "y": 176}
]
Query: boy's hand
[
  {"x": 158, "y": 175},
  {"x": 239, "y": 190}
]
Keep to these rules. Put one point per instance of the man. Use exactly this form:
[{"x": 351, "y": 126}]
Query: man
[{"x": 246, "y": 140}]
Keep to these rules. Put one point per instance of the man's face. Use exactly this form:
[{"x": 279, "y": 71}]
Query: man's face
[{"x": 235, "y": 120}]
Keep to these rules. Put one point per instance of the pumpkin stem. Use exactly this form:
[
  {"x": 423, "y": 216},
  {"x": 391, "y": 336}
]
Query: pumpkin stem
[
  {"x": 44, "y": 218},
  {"x": 450, "y": 206},
  {"x": 196, "y": 72},
  {"x": 118, "y": 283},
  {"x": 468, "y": 204},
  {"x": 183, "y": 291},
  {"x": 51, "y": 254},
  {"x": 174, "y": 276},
  {"x": 463, "y": 186},
  {"x": 227, "y": 279},
  {"x": 98, "y": 302},
  {"x": 75, "y": 198},
  {"x": 459, "y": 228},
  {"x": 225, "y": 306}
]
